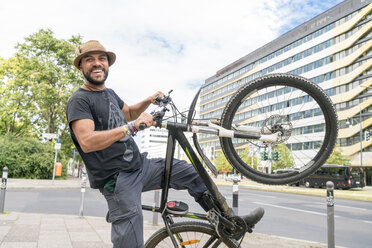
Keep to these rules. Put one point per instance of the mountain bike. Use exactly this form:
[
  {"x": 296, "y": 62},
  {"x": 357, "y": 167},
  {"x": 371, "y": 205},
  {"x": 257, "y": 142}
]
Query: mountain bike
[{"x": 276, "y": 113}]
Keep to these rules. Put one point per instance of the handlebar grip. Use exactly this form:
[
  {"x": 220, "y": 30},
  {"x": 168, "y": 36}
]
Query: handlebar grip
[
  {"x": 142, "y": 126},
  {"x": 158, "y": 99}
]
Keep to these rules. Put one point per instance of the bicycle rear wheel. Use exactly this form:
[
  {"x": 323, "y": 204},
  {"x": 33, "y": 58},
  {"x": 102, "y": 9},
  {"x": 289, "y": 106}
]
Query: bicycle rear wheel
[
  {"x": 293, "y": 106},
  {"x": 192, "y": 234}
]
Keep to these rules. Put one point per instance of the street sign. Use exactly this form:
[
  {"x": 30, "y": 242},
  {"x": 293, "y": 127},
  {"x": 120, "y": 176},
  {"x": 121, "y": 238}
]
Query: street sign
[
  {"x": 49, "y": 135},
  {"x": 57, "y": 146}
]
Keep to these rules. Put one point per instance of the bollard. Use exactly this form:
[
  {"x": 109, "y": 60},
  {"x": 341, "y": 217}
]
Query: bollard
[
  {"x": 330, "y": 215},
  {"x": 235, "y": 196},
  {"x": 3, "y": 189},
  {"x": 83, "y": 186},
  {"x": 155, "y": 204}
]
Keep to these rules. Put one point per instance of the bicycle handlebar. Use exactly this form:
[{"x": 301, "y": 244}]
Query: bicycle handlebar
[{"x": 158, "y": 116}]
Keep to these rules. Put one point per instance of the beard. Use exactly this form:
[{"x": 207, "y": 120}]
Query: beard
[{"x": 93, "y": 81}]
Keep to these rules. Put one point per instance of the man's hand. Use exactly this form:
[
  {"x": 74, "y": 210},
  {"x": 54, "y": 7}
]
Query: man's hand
[
  {"x": 157, "y": 94},
  {"x": 146, "y": 119}
]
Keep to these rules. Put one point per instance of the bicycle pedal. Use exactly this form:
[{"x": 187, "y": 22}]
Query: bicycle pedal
[{"x": 177, "y": 207}]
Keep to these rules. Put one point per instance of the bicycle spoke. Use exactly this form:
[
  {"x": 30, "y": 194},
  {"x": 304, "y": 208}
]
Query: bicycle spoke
[
  {"x": 287, "y": 105},
  {"x": 194, "y": 234}
]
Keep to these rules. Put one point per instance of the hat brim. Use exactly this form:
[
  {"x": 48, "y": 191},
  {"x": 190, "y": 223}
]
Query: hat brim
[{"x": 111, "y": 58}]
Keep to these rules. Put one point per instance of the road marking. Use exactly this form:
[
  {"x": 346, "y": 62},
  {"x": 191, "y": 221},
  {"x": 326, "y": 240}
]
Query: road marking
[
  {"x": 356, "y": 208},
  {"x": 267, "y": 196},
  {"x": 293, "y": 209},
  {"x": 343, "y": 206}
]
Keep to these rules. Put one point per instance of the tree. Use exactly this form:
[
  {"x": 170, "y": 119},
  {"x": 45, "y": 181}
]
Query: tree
[
  {"x": 337, "y": 157},
  {"x": 15, "y": 101},
  {"x": 221, "y": 162},
  {"x": 285, "y": 158},
  {"x": 35, "y": 85},
  {"x": 248, "y": 159}
]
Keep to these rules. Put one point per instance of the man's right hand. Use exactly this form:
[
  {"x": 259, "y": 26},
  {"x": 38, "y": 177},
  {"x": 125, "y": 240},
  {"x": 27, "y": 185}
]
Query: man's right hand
[{"x": 146, "y": 119}]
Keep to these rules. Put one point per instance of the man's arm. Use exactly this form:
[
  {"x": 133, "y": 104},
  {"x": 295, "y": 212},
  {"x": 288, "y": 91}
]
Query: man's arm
[
  {"x": 90, "y": 140},
  {"x": 134, "y": 111}
]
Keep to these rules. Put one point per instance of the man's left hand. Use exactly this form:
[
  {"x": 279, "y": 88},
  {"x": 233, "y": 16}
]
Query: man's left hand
[{"x": 157, "y": 94}]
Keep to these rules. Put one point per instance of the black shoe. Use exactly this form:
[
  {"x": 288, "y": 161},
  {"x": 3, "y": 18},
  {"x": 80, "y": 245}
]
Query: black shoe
[{"x": 253, "y": 218}]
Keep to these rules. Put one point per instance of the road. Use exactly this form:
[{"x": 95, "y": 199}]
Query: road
[{"x": 288, "y": 215}]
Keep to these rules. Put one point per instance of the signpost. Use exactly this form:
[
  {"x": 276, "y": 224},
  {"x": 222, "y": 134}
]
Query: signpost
[{"x": 57, "y": 146}]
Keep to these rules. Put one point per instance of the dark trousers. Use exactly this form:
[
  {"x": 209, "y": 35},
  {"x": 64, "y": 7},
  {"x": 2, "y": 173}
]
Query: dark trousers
[{"x": 125, "y": 211}]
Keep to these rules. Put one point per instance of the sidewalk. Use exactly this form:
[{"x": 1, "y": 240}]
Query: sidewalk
[
  {"x": 20, "y": 230},
  {"x": 62, "y": 231}
]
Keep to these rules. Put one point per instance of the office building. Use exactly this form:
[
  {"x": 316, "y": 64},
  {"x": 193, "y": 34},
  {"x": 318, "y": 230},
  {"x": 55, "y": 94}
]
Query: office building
[{"x": 333, "y": 50}]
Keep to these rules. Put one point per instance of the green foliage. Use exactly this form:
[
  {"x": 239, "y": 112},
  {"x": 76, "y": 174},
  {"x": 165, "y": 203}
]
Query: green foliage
[
  {"x": 247, "y": 159},
  {"x": 284, "y": 156},
  {"x": 27, "y": 157},
  {"x": 337, "y": 157},
  {"x": 221, "y": 162},
  {"x": 35, "y": 85}
]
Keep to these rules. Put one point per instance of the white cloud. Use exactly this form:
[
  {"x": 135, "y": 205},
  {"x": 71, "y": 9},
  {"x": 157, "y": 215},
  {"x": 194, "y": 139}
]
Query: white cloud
[{"x": 163, "y": 44}]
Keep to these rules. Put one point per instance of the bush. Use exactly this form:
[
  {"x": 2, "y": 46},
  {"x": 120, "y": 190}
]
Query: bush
[{"x": 26, "y": 157}]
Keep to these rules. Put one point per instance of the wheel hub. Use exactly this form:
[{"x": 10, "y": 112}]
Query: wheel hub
[{"x": 278, "y": 123}]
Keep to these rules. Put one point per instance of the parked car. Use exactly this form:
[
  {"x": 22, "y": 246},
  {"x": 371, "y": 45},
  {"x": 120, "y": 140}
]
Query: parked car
[{"x": 233, "y": 177}]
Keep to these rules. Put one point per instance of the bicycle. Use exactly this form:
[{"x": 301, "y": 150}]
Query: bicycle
[{"x": 280, "y": 107}]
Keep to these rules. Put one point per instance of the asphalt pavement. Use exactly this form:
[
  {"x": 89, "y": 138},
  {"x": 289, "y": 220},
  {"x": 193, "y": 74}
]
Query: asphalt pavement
[{"x": 51, "y": 230}]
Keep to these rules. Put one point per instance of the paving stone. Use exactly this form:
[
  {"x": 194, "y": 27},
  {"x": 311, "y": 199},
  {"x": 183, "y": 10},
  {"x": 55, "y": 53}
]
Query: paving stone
[
  {"x": 9, "y": 216},
  {"x": 54, "y": 244},
  {"x": 55, "y": 235},
  {"x": 22, "y": 233},
  {"x": 29, "y": 219},
  {"x": 51, "y": 227},
  {"x": 18, "y": 245},
  {"x": 85, "y": 244},
  {"x": 86, "y": 236},
  {"x": 104, "y": 234}
]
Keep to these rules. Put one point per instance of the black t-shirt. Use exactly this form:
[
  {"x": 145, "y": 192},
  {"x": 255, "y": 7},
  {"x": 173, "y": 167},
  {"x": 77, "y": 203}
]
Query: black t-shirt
[{"x": 104, "y": 108}]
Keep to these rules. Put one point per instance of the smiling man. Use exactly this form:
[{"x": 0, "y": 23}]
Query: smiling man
[{"x": 101, "y": 130}]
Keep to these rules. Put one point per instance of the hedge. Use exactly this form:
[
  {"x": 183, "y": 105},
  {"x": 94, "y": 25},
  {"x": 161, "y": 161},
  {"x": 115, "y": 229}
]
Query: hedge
[{"x": 27, "y": 157}]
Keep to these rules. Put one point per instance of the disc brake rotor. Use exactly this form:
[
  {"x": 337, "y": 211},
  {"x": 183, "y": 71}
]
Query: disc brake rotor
[{"x": 278, "y": 123}]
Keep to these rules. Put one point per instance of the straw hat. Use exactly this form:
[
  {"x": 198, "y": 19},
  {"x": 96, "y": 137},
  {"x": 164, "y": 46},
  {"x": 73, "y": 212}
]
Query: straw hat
[{"x": 92, "y": 46}]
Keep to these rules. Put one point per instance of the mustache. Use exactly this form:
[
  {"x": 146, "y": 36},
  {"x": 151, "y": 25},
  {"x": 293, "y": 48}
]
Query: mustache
[{"x": 97, "y": 68}]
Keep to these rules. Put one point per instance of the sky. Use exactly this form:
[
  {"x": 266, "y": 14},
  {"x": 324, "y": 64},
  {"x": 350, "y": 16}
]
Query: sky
[{"x": 160, "y": 44}]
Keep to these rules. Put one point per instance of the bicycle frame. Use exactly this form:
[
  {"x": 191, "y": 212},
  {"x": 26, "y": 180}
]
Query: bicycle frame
[{"x": 175, "y": 133}]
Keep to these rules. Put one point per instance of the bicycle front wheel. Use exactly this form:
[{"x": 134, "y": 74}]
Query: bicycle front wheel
[
  {"x": 189, "y": 234},
  {"x": 291, "y": 106}
]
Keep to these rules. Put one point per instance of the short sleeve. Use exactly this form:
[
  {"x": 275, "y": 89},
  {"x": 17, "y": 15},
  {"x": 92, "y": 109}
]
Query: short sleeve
[
  {"x": 120, "y": 101},
  {"x": 78, "y": 108}
]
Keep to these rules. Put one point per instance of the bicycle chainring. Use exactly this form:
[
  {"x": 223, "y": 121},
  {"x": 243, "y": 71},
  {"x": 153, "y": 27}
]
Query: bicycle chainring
[{"x": 237, "y": 233}]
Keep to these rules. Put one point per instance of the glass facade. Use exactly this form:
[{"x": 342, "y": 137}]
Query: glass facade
[{"x": 337, "y": 57}]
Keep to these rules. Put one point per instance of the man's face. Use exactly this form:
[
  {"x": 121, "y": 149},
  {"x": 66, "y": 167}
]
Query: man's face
[{"x": 95, "y": 67}]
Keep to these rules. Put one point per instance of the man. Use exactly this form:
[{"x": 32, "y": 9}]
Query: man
[{"x": 102, "y": 132}]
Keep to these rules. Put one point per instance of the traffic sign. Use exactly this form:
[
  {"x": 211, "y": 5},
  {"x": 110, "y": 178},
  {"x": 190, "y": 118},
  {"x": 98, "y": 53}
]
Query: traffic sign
[
  {"x": 49, "y": 135},
  {"x": 57, "y": 146}
]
